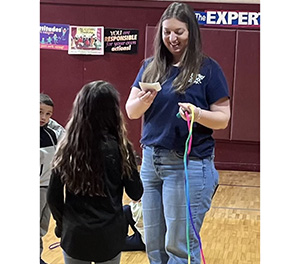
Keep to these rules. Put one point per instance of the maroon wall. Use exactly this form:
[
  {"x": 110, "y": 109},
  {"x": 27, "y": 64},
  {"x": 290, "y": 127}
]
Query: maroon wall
[{"x": 63, "y": 75}]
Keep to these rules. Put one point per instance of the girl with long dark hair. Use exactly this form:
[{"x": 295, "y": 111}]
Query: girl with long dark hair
[{"x": 94, "y": 163}]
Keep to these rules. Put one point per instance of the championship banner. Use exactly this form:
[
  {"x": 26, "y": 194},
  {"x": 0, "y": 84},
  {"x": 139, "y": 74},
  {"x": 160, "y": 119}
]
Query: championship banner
[
  {"x": 85, "y": 40},
  {"x": 121, "y": 40},
  {"x": 54, "y": 36},
  {"x": 229, "y": 18}
]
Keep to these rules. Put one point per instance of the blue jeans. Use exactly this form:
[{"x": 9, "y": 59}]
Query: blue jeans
[
  {"x": 164, "y": 203},
  {"x": 70, "y": 260}
]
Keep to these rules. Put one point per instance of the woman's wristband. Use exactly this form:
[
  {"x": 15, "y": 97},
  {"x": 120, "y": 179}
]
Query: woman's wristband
[{"x": 199, "y": 113}]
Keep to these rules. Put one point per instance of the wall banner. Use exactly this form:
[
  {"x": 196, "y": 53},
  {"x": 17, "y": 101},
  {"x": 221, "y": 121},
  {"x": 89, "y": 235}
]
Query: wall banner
[
  {"x": 85, "y": 40},
  {"x": 229, "y": 18},
  {"x": 121, "y": 40},
  {"x": 54, "y": 36}
]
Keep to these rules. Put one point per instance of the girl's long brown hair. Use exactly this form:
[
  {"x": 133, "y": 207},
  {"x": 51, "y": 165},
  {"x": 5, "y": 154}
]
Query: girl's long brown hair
[
  {"x": 158, "y": 69},
  {"x": 95, "y": 117}
]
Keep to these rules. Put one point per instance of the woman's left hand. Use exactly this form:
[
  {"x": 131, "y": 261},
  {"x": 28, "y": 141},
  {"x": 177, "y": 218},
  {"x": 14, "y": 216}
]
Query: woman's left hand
[
  {"x": 217, "y": 117},
  {"x": 187, "y": 107}
]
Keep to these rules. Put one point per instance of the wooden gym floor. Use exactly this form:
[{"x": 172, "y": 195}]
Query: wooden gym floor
[{"x": 230, "y": 232}]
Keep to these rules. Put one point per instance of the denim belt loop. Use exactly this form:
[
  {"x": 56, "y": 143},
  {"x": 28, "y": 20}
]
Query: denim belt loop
[{"x": 142, "y": 146}]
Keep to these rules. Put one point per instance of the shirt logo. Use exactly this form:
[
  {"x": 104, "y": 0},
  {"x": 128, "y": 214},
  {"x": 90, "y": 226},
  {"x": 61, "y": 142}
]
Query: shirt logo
[{"x": 198, "y": 79}]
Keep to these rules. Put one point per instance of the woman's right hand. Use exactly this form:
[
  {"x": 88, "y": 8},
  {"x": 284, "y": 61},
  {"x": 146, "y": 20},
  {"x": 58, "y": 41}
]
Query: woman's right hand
[
  {"x": 138, "y": 102},
  {"x": 147, "y": 97}
]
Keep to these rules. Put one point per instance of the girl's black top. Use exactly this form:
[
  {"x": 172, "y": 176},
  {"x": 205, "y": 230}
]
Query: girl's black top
[{"x": 93, "y": 228}]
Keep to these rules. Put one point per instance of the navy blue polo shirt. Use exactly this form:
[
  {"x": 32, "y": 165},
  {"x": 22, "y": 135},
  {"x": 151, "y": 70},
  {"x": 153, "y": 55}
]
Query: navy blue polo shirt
[{"x": 162, "y": 128}]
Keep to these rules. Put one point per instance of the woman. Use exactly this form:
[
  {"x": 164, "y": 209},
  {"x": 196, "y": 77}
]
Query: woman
[
  {"x": 189, "y": 79},
  {"x": 94, "y": 162}
]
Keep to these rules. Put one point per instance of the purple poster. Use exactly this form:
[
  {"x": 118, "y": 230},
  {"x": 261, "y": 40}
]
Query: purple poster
[{"x": 54, "y": 36}]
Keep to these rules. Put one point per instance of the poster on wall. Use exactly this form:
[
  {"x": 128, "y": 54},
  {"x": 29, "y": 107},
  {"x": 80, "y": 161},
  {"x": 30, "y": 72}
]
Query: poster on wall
[
  {"x": 121, "y": 40},
  {"x": 85, "y": 40},
  {"x": 54, "y": 36}
]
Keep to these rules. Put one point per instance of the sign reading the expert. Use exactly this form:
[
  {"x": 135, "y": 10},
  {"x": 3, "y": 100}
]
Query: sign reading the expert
[
  {"x": 229, "y": 18},
  {"x": 121, "y": 40}
]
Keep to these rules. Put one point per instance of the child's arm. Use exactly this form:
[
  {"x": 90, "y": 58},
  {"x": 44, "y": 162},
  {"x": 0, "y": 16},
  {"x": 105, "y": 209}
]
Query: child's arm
[
  {"x": 58, "y": 129},
  {"x": 134, "y": 187}
]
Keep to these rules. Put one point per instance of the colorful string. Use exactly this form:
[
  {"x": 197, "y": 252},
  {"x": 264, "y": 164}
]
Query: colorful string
[{"x": 188, "y": 146}]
